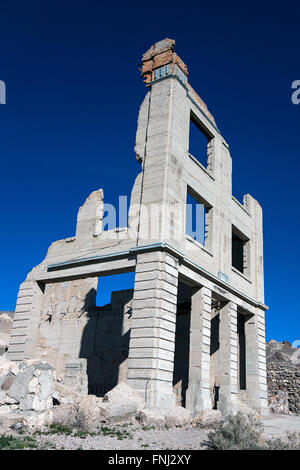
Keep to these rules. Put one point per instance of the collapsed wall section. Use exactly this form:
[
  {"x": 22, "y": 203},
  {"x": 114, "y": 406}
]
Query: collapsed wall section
[{"x": 77, "y": 337}]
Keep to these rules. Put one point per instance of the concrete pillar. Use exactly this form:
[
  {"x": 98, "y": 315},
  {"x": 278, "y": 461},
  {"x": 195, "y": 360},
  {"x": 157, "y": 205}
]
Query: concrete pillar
[
  {"x": 228, "y": 359},
  {"x": 256, "y": 376},
  {"x": 152, "y": 338},
  {"x": 25, "y": 325},
  {"x": 198, "y": 393}
]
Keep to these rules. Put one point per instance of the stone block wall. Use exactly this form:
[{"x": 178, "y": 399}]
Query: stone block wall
[{"x": 283, "y": 377}]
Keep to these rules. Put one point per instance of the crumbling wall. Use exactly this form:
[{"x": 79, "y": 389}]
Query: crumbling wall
[
  {"x": 64, "y": 318},
  {"x": 283, "y": 388},
  {"x": 86, "y": 344},
  {"x": 283, "y": 377}
]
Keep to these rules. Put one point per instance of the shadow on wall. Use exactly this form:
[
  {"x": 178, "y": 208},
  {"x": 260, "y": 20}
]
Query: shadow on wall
[{"x": 105, "y": 340}]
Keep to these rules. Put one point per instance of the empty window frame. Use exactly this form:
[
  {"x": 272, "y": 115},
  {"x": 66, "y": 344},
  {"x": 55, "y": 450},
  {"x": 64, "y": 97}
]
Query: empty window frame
[
  {"x": 198, "y": 218},
  {"x": 200, "y": 142},
  {"x": 240, "y": 251}
]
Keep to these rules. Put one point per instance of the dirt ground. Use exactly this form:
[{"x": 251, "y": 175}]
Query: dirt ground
[
  {"x": 277, "y": 425},
  {"x": 133, "y": 437}
]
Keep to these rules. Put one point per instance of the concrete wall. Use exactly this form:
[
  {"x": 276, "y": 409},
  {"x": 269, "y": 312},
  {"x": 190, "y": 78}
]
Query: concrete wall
[{"x": 169, "y": 170}]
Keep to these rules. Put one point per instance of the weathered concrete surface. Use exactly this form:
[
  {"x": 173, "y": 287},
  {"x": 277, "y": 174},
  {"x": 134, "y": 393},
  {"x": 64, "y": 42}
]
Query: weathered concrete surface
[
  {"x": 56, "y": 316},
  {"x": 6, "y": 322},
  {"x": 86, "y": 344},
  {"x": 123, "y": 402},
  {"x": 89, "y": 218}
]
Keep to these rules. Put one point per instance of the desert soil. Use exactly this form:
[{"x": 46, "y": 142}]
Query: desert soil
[{"x": 138, "y": 438}]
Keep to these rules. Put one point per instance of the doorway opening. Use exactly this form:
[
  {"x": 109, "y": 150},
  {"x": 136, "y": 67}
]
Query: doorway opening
[
  {"x": 214, "y": 352},
  {"x": 105, "y": 339},
  {"x": 182, "y": 344},
  {"x": 241, "y": 351}
]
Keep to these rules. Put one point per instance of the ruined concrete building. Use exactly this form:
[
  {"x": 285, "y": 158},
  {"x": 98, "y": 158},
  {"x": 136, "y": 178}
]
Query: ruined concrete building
[{"x": 191, "y": 332}]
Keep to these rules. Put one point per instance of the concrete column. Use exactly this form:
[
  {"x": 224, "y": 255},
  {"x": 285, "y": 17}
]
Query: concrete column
[
  {"x": 25, "y": 325},
  {"x": 198, "y": 393},
  {"x": 152, "y": 338},
  {"x": 228, "y": 359},
  {"x": 256, "y": 376}
]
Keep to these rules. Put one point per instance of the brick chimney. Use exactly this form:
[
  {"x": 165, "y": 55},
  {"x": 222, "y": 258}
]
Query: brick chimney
[{"x": 161, "y": 60}]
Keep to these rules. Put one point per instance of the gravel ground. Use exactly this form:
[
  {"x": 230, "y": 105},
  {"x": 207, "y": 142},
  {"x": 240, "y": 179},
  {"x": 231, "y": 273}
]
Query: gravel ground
[
  {"x": 135, "y": 437},
  {"x": 138, "y": 438},
  {"x": 152, "y": 439},
  {"x": 278, "y": 425}
]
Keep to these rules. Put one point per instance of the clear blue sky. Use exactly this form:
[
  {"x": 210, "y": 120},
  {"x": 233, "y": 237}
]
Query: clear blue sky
[{"x": 73, "y": 93}]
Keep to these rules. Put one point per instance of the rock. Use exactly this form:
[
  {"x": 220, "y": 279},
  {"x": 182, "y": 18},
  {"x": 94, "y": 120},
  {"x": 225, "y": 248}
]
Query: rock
[
  {"x": 65, "y": 395},
  {"x": 121, "y": 412},
  {"x": 123, "y": 394},
  {"x": 4, "y": 409},
  {"x": 33, "y": 385},
  {"x": 7, "y": 383},
  {"x": 119, "y": 404},
  {"x": 7, "y": 367},
  {"x": 178, "y": 417},
  {"x": 87, "y": 414},
  {"x": 40, "y": 405},
  {"x": 122, "y": 403},
  {"x": 207, "y": 418},
  {"x": 46, "y": 383},
  {"x": 2, "y": 397},
  {"x": 3, "y": 360},
  {"x": 92, "y": 407},
  {"x": 150, "y": 417},
  {"x": 27, "y": 402},
  {"x": 34, "y": 420},
  {"x": 18, "y": 389},
  {"x": 279, "y": 403},
  {"x": 26, "y": 388},
  {"x": 10, "y": 401}
]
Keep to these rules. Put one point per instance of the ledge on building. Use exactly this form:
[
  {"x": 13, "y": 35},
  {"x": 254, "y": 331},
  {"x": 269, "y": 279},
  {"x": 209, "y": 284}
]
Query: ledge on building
[
  {"x": 201, "y": 166},
  {"x": 241, "y": 205},
  {"x": 198, "y": 244},
  {"x": 241, "y": 274}
]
